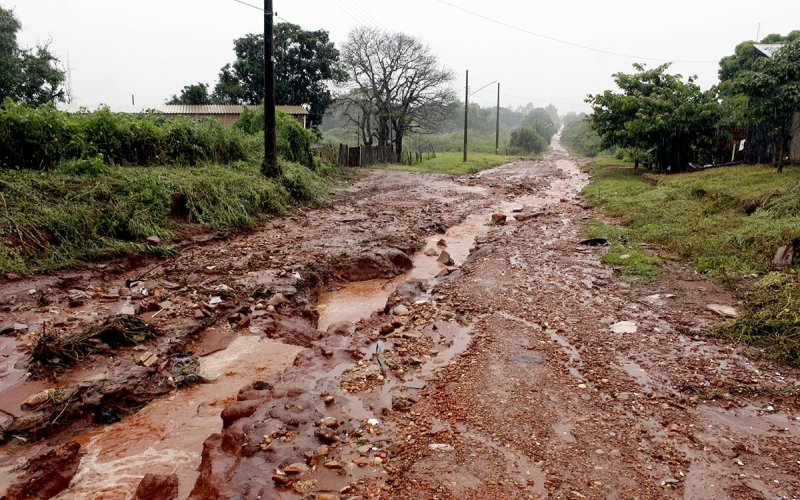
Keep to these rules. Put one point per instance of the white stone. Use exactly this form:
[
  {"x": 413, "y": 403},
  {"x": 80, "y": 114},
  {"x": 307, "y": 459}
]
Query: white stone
[
  {"x": 722, "y": 310},
  {"x": 624, "y": 327}
]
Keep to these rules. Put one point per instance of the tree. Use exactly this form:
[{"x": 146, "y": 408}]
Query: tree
[
  {"x": 672, "y": 121},
  {"x": 305, "y": 64},
  {"x": 192, "y": 94},
  {"x": 772, "y": 90},
  {"x": 746, "y": 54},
  {"x": 396, "y": 86},
  {"x": 526, "y": 140},
  {"x": 27, "y": 75}
]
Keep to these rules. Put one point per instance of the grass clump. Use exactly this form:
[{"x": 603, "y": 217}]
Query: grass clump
[
  {"x": 453, "y": 163},
  {"x": 772, "y": 320},
  {"x": 50, "y": 220},
  {"x": 629, "y": 257},
  {"x": 728, "y": 222}
]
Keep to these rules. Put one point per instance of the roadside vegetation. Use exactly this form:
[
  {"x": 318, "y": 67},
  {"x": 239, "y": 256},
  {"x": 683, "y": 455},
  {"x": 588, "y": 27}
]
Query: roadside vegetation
[
  {"x": 117, "y": 180},
  {"x": 728, "y": 222},
  {"x": 453, "y": 163}
]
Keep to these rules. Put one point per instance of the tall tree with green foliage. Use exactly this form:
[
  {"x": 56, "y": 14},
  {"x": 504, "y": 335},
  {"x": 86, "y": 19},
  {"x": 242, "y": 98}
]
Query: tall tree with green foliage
[
  {"x": 772, "y": 89},
  {"x": 192, "y": 94},
  {"x": 27, "y": 75},
  {"x": 673, "y": 121},
  {"x": 305, "y": 65}
]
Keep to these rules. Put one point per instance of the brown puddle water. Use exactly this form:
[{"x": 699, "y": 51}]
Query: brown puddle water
[{"x": 166, "y": 437}]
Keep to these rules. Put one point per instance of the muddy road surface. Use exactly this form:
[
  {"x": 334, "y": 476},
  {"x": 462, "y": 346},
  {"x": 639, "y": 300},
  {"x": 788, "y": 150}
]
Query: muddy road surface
[{"x": 424, "y": 336}]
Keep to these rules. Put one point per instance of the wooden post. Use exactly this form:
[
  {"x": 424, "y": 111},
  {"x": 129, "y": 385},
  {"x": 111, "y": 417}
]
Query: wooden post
[
  {"x": 466, "y": 115},
  {"x": 497, "y": 131},
  {"x": 270, "y": 167}
]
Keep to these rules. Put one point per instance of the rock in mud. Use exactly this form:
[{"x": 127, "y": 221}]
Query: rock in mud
[
  {"x": 499, "y": 219},
  {"x": 291, "y": 329},
  {"x": 384, "y": 264},
  {"x": 430, "y": 252},
  {"x": 158, "y": 487},
  {"x": 444, "y": 258},
  {"x": 47, "y": 473},
  {"x": 343, "y": 328},
  {"x": 722, "y": 310},
  {"x": 411, "y": 290}
]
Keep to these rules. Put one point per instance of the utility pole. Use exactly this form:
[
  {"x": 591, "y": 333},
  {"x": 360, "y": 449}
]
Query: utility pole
[
  {"x": 497, "y": 131},
  {"x": 466, "y": 115},
  {"x": 270, "y": 167}
]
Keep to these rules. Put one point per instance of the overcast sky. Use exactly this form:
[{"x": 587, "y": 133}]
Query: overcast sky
[{"x": 152, "y": 48}]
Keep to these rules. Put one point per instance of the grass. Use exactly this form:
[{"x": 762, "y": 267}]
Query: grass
[
  {"x": 453, "y": 163},
  {"x": 728, "y": 222},
  {"x": 50, "y": 220}
]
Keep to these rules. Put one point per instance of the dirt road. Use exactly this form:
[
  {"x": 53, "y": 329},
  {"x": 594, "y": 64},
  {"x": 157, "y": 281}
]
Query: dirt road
[{"x": 507, "y": 361}]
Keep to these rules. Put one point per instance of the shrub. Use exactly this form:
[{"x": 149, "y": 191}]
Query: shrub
[{"x": 42, "y": 138}]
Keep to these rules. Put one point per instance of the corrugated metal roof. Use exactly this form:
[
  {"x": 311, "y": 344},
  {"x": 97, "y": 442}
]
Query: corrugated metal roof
[
  {"x": 200, "y": 109},
  {"x": 293, "y": 110},
  {"x": 768, "y": 49}
]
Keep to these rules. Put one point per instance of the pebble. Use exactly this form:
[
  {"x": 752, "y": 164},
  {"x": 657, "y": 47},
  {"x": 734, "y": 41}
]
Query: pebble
[
  {"x": 431, "y": 252},
  {"x": 401, "y": 310}
]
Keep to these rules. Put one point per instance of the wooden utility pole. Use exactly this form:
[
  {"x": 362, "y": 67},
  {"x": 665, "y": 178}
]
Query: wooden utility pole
[
  {"x": 466, "y": 115},
  {"x": 270, "y": 167},
  {"x": 497, "y": 130}
]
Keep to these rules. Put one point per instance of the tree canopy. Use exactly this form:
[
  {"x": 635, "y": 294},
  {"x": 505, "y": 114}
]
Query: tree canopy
[
  {"x": 27, "y": 75},
  {"x": 772, "y": 90},
  {"x": 745, "y": 55},
  {"x": 305, "y": 65},
  {"x": 671, "y": 121},
  {"x": 192, "y": 94},
  {"x": 396, "y": 86}
]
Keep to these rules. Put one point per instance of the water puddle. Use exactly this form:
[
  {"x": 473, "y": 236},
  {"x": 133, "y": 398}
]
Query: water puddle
[{"x": 166, "y": 437}]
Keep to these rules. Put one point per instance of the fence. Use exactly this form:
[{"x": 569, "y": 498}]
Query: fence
[{"x": 366, "y": 156}]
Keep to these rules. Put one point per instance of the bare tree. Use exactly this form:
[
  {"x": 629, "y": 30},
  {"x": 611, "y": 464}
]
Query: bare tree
[{"x": 396, "y": 86}]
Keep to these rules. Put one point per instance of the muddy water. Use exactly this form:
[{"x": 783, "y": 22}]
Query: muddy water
[
  {"x": 166, "y": 437},
  {"x": 359, "y": 300}
]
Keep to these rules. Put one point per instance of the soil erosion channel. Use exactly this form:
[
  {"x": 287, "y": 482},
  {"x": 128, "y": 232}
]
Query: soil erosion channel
[{"x": 425, "y": 336}]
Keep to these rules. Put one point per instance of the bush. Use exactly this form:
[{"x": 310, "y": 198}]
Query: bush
[
  {"x": 293, "y": 141},
  {"x": 42, "y": 138},
  {"x": 527, "y": 140}
]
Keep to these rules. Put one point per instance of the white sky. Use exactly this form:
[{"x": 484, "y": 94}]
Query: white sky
[{"x": 152, "y": 48}]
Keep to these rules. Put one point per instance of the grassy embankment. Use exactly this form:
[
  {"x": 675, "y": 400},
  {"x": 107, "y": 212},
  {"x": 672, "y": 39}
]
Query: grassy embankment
[
  {"x": 453, "y": 163},
  {"x": 728, "y": 222},
  {"x": 73, "y": 187}
]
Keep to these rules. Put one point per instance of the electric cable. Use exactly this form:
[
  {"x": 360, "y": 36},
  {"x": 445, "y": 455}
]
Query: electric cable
[{"x": 565, "y": 42}]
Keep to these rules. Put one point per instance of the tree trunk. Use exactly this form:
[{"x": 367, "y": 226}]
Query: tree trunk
[
  {"x": 780, "y": 154},
  {"x": 398, "y": 143}
]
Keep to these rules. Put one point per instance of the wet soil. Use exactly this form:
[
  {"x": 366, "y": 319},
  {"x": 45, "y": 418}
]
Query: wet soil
[{"x": 341, "y": 354}]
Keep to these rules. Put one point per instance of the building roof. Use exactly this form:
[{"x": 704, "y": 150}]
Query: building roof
[
  {"x": 768, "y": 49},
  {"x": 183, "y": 109}
]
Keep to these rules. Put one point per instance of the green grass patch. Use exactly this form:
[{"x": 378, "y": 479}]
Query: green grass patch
[
  {"x": 87, "y": 211},
  {"x": 453, "y": 163},
  {"x": 771, "y": 323},
  {"x": 728, "y": 222},
  {"x": 628, "y": 256}
]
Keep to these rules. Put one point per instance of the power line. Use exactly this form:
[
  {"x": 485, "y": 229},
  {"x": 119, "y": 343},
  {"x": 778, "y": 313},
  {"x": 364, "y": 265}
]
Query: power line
[
  {"x": 353, "y": 15},
  {"x": 369, "y": 16},
  {"x": 557, "y": 40},
  {"x": 250, "y": 5}
]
